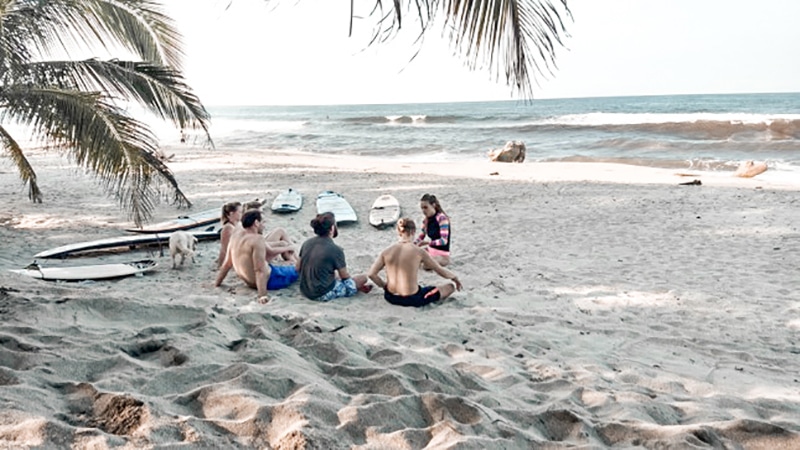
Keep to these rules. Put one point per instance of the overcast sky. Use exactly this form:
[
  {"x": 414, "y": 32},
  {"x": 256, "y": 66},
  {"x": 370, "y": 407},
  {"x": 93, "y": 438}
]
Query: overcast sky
[{"x": 250, "y": 52}]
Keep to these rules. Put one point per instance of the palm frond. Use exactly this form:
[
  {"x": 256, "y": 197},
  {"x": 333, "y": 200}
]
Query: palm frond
[
  {"x": 26, "y": 172},
  {"x": 120, "y": 151},
  {"x": 495, "y": 33},
  {"x": 160, "y": 89},
  {"x": 139, "y": 26}
]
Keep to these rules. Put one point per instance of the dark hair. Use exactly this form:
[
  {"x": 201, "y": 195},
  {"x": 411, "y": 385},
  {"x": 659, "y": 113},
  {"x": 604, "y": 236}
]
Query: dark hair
[
  {"x": 227, "y": 209},
  {"x": 430, "y": 198},
  {"x": 323, "y": 223},
  {"x": 406, "y": 226},
  {"x": 250, "y": 217}
]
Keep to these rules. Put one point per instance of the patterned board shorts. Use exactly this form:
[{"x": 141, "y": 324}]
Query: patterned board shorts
[{"x": 342, "y": 288}]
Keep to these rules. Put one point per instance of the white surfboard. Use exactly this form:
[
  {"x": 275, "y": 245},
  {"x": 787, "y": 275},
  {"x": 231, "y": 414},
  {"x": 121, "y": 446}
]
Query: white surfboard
[
  {"x": 287, "y": 201},
  {"x": 129, "y": 242},
  {"x": 329, "y": 201},
  {"x": 90, "y": 272},
  {"x": 385, "y": 211},
  {"x": 186, "y": 222}
]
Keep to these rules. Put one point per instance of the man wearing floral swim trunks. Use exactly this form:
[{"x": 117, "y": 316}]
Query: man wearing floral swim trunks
[{"x": 321, "y": 260}]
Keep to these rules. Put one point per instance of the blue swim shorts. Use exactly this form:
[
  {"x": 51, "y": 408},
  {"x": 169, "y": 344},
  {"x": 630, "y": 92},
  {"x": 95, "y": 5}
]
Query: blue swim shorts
[
  {"x": 342, "y": 288},
  {"x": 281, "y": 277}
]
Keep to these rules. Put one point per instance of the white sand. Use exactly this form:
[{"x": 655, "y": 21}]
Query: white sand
[{"x": 604, "y": 305}]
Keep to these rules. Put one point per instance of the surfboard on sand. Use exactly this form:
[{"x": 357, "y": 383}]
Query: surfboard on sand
[
  {"x": 329, "y": 201},
  {"x": 198, "y": 219},
  {"x": 129, "y": 242},
  {"x": 90, "y": 272},
  {"x": 287, "y": 201},
  {"x": 385, "y": 211}
]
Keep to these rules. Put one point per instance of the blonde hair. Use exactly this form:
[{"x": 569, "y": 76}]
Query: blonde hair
[{"x": 406, "y": 226}]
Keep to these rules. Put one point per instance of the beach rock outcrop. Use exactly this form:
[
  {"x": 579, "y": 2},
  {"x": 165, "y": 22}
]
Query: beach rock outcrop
[
  {"x": 749, "y": 169},
  {"x": 513, "y": 151}
]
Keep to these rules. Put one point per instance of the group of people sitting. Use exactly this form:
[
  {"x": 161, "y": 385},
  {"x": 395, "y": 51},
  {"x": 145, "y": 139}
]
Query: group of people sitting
[{"x": 320, "y": 264}]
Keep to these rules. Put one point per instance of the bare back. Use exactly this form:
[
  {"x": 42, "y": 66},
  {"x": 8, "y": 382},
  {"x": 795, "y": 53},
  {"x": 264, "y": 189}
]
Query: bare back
[
  {"x": 247, "y": 256},
  {"x": 401, "y": 263}
]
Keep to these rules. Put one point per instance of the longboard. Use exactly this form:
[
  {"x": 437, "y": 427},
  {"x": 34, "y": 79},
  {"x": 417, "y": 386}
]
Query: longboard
[
  {"x": 187, "y": 222},
  {"x": 385, "y": 211},
  {"x": 130, "y": 242},
  {"x": 90, "y": 272},
  {"x": 329, "y": 201},
  {"x": 287, "y": 201}
]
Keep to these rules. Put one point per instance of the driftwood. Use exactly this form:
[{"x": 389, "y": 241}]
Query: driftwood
[
  {"x": 513, "y": 151},
  {"x": 749, "y": 169}
]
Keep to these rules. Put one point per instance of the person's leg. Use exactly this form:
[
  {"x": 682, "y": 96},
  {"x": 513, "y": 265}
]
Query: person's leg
[
  {"x": 442, "y": 260},
  {"x": 279, "y": 235},
  {"x": 445, "y": 290}
]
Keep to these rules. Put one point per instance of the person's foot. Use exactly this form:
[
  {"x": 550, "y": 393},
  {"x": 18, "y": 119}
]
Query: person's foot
[{"x": 366, "y": 288}]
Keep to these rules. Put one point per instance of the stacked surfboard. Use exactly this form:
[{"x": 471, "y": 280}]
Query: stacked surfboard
[
  {"x": 329, "y": 201},
  {"x": 88, "y": 272},
  {"x": 203, "y": 225}
]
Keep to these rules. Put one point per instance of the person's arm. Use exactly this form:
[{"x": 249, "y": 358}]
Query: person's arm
[
  {"x": 420, "y": 240},
  {"x": 374, "y": 271},
  {"x": 444, "y": 231},
  {"x": 260, "y": 269},
  {"x": 343, "y": 273},
  {"x": 341, "y": 264},
  {"x": 428, "y": 261},
  {"x": 223, "y": 269},
  {"x": 278, "y": 247},
  {"x": 224, "y": 240}
]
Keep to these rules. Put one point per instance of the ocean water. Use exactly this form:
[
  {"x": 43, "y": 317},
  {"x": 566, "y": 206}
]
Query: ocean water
[{"x": 702, "y": 132}]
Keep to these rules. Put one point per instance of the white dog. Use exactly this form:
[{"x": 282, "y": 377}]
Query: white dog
[{"x": 181, "y": 244}]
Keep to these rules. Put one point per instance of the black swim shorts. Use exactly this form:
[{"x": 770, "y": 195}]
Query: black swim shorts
[{"x": 423, "y": 296}]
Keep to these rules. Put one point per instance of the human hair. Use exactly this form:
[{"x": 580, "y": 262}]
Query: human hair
[
  {"x": 433, "y": 201},
  {"x": 323, "y": 223},
  {"x": 254, "y": 205},
  {"x": 406, "y": 226},
  {"x": 227, "y": 210},
  {"x": 250, "y": 217}
]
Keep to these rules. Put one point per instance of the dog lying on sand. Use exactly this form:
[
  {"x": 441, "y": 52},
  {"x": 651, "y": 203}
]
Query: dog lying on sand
[{"x": 183, "y": 245}]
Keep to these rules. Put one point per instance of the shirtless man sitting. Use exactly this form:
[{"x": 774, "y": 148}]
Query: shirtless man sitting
[
  {"x": 246, "y": 254},
  {"x": 401, "y": 262}
]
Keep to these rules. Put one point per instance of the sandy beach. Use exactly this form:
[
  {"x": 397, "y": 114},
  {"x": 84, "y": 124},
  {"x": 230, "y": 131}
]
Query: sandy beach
[{"x": 603, "y": 306}]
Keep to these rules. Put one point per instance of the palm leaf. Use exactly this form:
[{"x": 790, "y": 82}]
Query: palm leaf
[
  {"x": 121, "y": 151},
  {"x": 140, "y": 26},
  {"x": 160, "y": 89},
  {"x": 495, "y": 33},
  {"x": 25, "y": 170}
]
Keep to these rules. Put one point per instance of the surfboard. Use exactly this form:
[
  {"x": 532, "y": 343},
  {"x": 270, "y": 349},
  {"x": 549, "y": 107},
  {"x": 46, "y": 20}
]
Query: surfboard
[
  {"x": 90, "y": 272},
  {"x": 187, "y": 222},
  {"x": 287, "y": 201},
  {"x": 329, "y": 201},
  {"x": 130, "y": 242},
  {"x": 385, "y": 211}
]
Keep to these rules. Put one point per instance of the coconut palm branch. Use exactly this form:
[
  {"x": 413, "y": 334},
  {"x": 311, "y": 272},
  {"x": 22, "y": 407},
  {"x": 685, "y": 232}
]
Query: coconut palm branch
[
  {"x": 96, "y": 134},
  {"x": 159, "y": 89},
  {"x": 77, "y": 106},
  {"x": 518, "y": 38}
]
